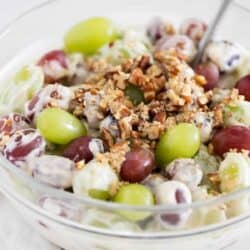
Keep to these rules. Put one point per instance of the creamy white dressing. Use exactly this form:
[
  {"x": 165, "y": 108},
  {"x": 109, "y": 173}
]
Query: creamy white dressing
[
  {"x": 26, "y": 139},
  {"x": 94, "y": 175},
  {"x": 53, "y": 170},
  {"x": 96, "y": 146},
  {"x": 226, "y": 55},
  {"x": 62, "y": 100}
]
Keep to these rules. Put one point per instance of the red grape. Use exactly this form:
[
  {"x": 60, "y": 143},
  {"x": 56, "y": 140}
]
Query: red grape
[
  {"x": 61, "y": 207},
  {"x": 55, "y": 55},
  {"x": 193, "y": 28},
  {"x": 53, "y": 170},
  {"x": 174, "y": 219},
  {"x": 173, "y": 193},
  {"x": 181, "y": 43},
  {"x": 54, "y": 65},
  {"x": 158, "y": 28},
  {"x": 83, "y": 148},
  {"x": 211, "y": 72},
  {"x": 235, "y": 137},
  {"x": 138, "y": 164},
  {"x": 243, "y": 85},
  {"x": 11, "y": 123},
  {"x": 50, "y": 96},
  {"x": 22, "y": 145}
]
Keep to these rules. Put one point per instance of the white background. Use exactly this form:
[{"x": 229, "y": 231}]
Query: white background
[
  {"x": 14, "y": 233},
  {"x": 11, "y": 8}
]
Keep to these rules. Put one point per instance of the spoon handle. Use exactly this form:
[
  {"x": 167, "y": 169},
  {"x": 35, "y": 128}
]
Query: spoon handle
[{"x": 210, "y": 32}]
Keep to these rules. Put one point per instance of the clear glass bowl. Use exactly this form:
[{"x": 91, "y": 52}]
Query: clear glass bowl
[{"x": 95, "y": 224}]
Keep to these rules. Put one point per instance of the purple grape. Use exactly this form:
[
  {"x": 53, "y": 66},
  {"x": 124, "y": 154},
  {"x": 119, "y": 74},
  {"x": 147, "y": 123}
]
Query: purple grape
[
  {"x": 211, "y": 72},
  {"x": 53, "y": 170},
  {"x": 138, "y": 165},
  {"x": 9, "y": 124},
  {"x": 235, "y": 137},
  {"x": 50, "y": 96},
  {"x": 54, "y": 65},
  {"x": 158, "y": 28},
  {"x": 193, "y": 28},
  {"x": 61, "y": 207},
  {"x": 243, "y": 85},
  {"x": 173, "y": 193},
  {"x": 22, "y": 145},
  {"x": 181, "y": 43},
  {"x": 83, "y": 148}
]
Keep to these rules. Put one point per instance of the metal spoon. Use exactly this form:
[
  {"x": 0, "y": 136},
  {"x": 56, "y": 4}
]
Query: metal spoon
[{"x": 211, "y": 30}]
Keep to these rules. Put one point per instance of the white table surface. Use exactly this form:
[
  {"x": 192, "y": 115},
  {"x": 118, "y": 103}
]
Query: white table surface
[{"x": 14, "y": 233}]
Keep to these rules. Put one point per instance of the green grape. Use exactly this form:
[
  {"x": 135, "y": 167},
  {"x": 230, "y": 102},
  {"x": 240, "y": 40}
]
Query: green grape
[
  {"x": 106, "y": 219},
  {"x": 16, "y": 92},
  {"x": 237, "y": 113},
  {"x": 90, "y": 35},
  {"x": 181, "y": 141},
  {"x": 136, "y": 195},
  {"x": 233, "y": 172},
  {"x": 22, "y": 75},
  {"x": 99, "y": 194},
  {"x": 214, "y": 215},
  {"x": 237, "y": 207},
  {"x": 135, "y": 94},
  {"x": 59, "y": 126},
  {"x": 29, "y": 79}
]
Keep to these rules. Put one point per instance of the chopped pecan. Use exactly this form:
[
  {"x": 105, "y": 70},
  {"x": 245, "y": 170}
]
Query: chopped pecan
[
  {"x": 107, "y": 137},
  {"x": 116, "y": 155},
  {"x": 200, "y": 80},
  {"x": 173, "y": 94},
  {"x": 144, "y": 63},
  {"x": 218, "y": 115},
  {"x": 214, "y": 178},
  {"x": 203, "y": 100},
  {"x": 160, "y": 117},
  {"x": 138, "y": 78},
  {"x": 154, "y": 71},
  {"x": 170, "y": 29},
  {"x": 125, "y": 127},
  {"x": 149, "y": 95},
  {"x": 151, "y": 130}
]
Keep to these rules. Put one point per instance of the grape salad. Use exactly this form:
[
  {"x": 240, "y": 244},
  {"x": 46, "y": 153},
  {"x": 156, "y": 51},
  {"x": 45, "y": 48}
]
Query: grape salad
[{"x": 120, "y": 115}]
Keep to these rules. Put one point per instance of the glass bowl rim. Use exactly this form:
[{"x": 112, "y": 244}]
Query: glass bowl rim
[
  {"x": 124, "y": 235},
  {"x": 110, "y": 205},
  {"x": 49, "y": 190}
]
